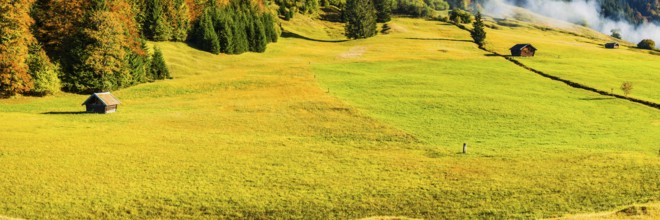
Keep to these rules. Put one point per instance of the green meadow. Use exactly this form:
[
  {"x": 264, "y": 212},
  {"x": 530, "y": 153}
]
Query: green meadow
[{"x": 322, "y": 128}]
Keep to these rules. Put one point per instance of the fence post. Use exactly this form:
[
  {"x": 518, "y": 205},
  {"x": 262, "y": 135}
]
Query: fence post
[{"x": 465, "y": 148}]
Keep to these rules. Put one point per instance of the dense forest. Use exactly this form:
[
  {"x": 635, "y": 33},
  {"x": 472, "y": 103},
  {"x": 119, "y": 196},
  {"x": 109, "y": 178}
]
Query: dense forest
[
  {"x": 635, "y": 11},
  {"x": 87, "y": 46}
]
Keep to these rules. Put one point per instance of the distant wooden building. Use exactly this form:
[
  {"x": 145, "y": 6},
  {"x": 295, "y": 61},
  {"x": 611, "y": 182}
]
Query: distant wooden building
[
  {"x": 101, "y": 103},
  {"x": 523, "y": 50},
  {"x": 612, "y": 45}
]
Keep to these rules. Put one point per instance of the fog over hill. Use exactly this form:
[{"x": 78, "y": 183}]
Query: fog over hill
[{"x": 584, "y": 12}]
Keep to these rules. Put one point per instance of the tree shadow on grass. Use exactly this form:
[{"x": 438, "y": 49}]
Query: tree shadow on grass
[
  {"x": 286, "y": 34},
  {"x": 65, "y": 113},
  {"x": 438, "y": 39}
]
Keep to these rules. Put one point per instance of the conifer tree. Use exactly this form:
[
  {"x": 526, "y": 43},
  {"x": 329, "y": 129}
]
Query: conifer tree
[
  {"x": 225, "y": 31},
  {"x": 159, "y": 27},
  {"x": 360, "y": 19},
  {"x": 241, "y": 43},
  {"x": 384, "y": 10},
  {"x": 158, "y": 68},
  {"x": 269, "y": 27},
  {"x": 207, "y": 38},
  {"x": 259, "y": 40},
  {"x": 139, "y": 65},
  {"x": 478, "y": 33}
]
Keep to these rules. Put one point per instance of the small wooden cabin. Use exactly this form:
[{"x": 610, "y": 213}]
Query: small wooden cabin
[
  {"x": 612, "y": 45},
  {"x": 101, "y": 103},
  {"x": 523, "y": 50}
]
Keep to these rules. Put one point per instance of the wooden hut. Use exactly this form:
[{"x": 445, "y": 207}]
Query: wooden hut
[
  {"x": 523, "y": 50},
  {"x": 612, "y": 45},
  {"x": 101, "y": 103}
]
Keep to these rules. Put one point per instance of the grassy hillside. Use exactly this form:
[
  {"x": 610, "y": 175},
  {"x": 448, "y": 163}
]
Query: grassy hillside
[
  {"x": 321, "y": 128},
  {"x": 578, "y": 54}
]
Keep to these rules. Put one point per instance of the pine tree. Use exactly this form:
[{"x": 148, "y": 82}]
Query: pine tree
[
  {"x": 15, "y": 38},
  {"x": 478, "y": 33},
  {"x": 225, "y": 31},
  {"x": 139, "y": 65},
  {"x": 259, "y": 40},
  {"x": 360, "y": 19},
  {"x": 269, "y": 26},
  {"x": 207, "y": 38},
  {"x": 159, "y": 26},
  {"x": 158, "y": 68},
  {"x": 384, "y": 10},
  {"x": 241, "y": 41}
]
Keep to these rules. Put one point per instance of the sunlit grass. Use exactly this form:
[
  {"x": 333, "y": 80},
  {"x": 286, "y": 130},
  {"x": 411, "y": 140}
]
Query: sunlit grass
[
  {"x": 584, "y": 60},
  {"x": 322, "y": 130}
]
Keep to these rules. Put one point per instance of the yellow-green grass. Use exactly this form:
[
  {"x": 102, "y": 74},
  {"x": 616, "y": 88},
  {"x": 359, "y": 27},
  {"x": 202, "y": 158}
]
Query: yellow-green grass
[
  {"x": 581, "y": 59},
  {"x": 643, "y": 212},
  {"x": 323, "y": 130}
]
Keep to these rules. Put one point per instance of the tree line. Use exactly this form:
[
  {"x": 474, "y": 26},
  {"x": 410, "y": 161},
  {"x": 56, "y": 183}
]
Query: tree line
[
  {"x": 415, "y": 8},
  {"x": 85, "y": 46}
]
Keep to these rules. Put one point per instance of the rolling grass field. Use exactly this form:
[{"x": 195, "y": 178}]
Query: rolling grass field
[
  {"x": 582, "y": 58},
  {"x": 319, "y": 128}
]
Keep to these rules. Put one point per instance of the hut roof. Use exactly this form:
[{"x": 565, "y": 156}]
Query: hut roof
[
  {"x": 521, "y": 46},
  {"x": 105, "y": 97},
  {"x": 612, "y": 44}
]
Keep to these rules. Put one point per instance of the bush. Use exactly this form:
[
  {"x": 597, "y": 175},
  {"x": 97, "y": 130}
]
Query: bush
[
  {"x": 616, "y": 33},
  {"x": 646, "y": 44},
  {"x": 439, "y": 5},
  {"x": 43, "y": 72},
  {"x": 459, "y": 16},
  {"x": 626, "y": 87},
  {"x": 386, "y": 29},
  {"x": 415, "y": 8}
]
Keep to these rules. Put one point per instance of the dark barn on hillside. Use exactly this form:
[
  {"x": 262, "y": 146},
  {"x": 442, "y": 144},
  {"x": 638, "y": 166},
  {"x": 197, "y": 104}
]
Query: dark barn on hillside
[
  {"x": 612, "y": 45},
  {"x": 101, "y": 103},
  {"x": 523, "y": 50}
]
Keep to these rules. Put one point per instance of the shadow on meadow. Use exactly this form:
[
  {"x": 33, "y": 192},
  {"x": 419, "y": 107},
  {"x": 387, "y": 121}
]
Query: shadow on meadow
[
  {"x": 66, "y": 113},
  {"x": 596, "y": 99},
  {"x": 438, "y": 39},
  {"x": 286, "y": 34}
]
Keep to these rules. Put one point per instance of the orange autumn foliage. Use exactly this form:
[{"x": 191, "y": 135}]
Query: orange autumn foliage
[{"x": 15, "y": 38}]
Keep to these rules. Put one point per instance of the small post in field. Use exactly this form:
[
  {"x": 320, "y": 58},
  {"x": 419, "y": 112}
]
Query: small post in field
[{"x": 465, "y": 148}]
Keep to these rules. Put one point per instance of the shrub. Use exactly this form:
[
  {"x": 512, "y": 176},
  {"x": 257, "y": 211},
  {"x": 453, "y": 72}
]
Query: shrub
[
  {"x": 415, "y": 8},
  {"x": 626, "y": 87},
  {"x": 43, "y": 72},
  {"x": 459, "y": 16},
  {"x": 646, "y": 44},
  {"x": 386, "y": 29},
  {"x": 616, "y": 33}
]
